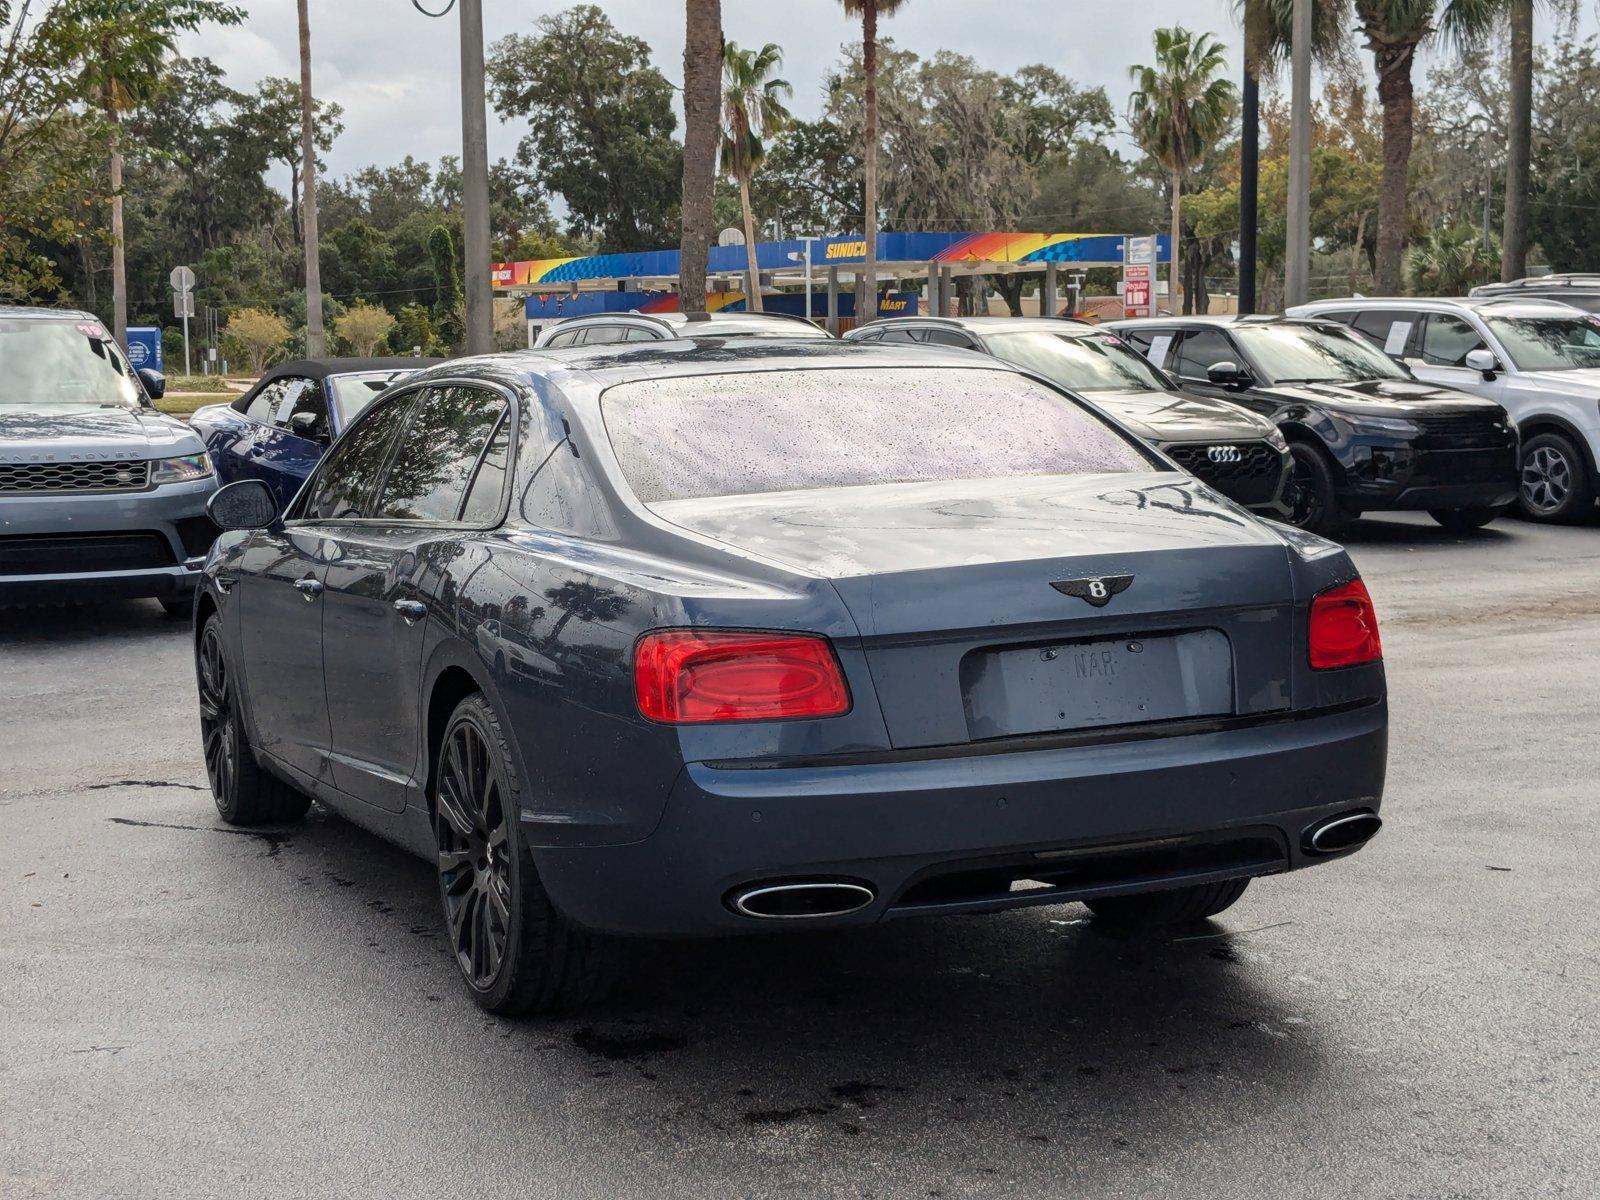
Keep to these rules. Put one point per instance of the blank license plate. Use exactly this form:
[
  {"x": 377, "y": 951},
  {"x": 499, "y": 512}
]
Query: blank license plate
[{"x": 1081, "y": 685}]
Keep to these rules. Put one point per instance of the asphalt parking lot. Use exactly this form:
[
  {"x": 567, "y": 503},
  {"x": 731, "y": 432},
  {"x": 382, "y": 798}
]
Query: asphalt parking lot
[{"x": 196, "y": 1011}]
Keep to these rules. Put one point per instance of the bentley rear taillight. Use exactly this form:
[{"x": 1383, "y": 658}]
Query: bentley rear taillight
[
  {"x": 694, "y": 676},
  {"x": 1344, "y": 628}
]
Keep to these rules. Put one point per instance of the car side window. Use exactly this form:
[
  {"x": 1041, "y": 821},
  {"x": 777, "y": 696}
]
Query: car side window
[
  {"x": 603, "y": 335},
  {"x": 343, "y": 486},
  {"x": 634, "y": 334},
  {"x": 946, "y": 337},
  {"x": 487, "y": 488},
  {"x": 302, "y": 396},
  {"x": 434, "y": 461},
  {"x": 1199, "y": 350},
  {"x": 559, "y": 341},
  {"x": 1447, "y": 340},
  {"x": 265, "y": 402},
  {"x": 1388, "y": 330},
  {"x": 896, "y": 335}
]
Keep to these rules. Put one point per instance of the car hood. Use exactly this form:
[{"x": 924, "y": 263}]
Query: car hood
[
  {"x": 1179, "y": 417},
  {"x": 1381, "y": 397},
  {"x": 73, "y": 435},
  {"x": 1582, "y": 384}
]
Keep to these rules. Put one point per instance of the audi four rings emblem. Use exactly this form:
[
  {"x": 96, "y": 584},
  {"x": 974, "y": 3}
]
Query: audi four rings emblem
[{"x": 1224, "y": 454}]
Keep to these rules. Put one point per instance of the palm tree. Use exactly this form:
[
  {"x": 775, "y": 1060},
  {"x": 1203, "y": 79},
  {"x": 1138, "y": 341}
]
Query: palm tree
[
  {"x": 1449, "y": 262},
  {"x": 702, "y": 71},
  {"x": 132, "y": 41},
  {"x": 752, "y": 109},
  {"x": 1179, "y": 110},
  {"x": 869, "y": 11},
  {"x": 1393, "y": 30}
]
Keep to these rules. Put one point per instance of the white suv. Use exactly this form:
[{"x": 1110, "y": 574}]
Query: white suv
[{"x": 1540, "y": 359}]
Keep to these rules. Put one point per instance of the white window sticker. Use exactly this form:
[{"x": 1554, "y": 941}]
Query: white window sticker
[
  {"x": 1159, "y": 345},
  {"x": 1399, "y": 334}
]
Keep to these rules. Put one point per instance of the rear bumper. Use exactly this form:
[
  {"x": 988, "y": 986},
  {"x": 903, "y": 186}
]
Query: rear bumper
[
  {"x": 135, "y": 544},
  {"x": 897, "y": 825}
]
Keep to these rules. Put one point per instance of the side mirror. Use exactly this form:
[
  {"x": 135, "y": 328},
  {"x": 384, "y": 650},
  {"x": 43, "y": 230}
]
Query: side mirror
[
  {"x": 308, "y": 425},
  {"x": 1228, "y": 373},
  {"x": 248, "y": 504},
  {"x": 155, "y": 383},
  {"x": 1483, "y": 361}
]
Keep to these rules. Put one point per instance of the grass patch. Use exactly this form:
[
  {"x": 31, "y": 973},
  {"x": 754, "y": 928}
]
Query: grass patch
[
  {"x": 196, "y": 383},
  {"x": 182, "y": 406}
]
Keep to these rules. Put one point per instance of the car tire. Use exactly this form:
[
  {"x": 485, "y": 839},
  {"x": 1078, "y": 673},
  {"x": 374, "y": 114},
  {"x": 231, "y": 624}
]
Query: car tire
[
  {"x": 1175, "y": 906},
  {"x": 1464, "y": 520},
  {"x": 1554, "y": 484},
  {"x": 514, "y": 951},
  {"x": 244, "y": 793},
  {"x": 178, "y": 608},
  {"x": 1313, "y": 495}
]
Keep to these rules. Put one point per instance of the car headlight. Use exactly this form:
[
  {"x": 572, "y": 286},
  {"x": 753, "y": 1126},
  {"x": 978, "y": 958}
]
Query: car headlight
[
  {"x": 181, "y": 470},
  {"x": 1387, "y": 424},
  {"x": 1277, "y": 441}
]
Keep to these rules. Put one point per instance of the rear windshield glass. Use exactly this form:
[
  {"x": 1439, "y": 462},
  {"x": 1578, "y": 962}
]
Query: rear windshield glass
[
  {"x": 352, "y": 393},
  {"x": 49, "y": 365},
  {"x": 734, "y": 435}
]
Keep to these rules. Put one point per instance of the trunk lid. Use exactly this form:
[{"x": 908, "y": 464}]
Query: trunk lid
[{"x": 953, "y": 587}]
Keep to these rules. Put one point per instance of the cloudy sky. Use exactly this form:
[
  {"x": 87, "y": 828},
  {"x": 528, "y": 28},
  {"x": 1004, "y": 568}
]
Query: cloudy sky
[{"x": 395, "y": 70}]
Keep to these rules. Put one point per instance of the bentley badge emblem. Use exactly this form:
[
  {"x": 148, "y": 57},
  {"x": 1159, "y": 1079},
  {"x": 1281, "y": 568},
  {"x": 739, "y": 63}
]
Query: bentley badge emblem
[{"x": 1097, "y": 592}]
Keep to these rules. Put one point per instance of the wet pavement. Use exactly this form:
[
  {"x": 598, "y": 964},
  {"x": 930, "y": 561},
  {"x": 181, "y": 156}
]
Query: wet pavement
[{"x": 188, "y": 1010}]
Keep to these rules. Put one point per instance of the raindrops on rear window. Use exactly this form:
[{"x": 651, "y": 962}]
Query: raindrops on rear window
[{"x": 738, "y": 434}]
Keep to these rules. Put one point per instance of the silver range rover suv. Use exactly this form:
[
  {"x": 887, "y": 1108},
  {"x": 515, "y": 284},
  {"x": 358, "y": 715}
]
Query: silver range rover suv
[{"x": 100, "y": 494}]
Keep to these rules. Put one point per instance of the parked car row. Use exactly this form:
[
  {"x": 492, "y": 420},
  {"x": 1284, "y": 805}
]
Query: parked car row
[{"x": 712, "y": 625}]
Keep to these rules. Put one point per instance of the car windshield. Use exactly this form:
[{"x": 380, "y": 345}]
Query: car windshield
[
  {"x": 1091, "y": 363},
  {"x": 1549, "y": 343},
  {"x": 352, "y": 393},
  {"x": 54, "y": 365},
  {"x": 1314, "y": 354},
  {"x": 779, "y": 431}
]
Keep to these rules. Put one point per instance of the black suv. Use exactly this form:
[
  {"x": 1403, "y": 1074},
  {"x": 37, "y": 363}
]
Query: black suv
[
  {"x": 1237, "y": 452},
  {"x": 1366, "y": 435}
]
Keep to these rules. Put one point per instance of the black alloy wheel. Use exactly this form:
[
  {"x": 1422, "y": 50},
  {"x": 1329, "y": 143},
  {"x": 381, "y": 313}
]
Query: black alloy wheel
[
  {"x": 244, "y": 793},
  {"x": 219, "y": 730},
  {"x": 474, "y": 853},
  {"x": 1313, "y": 504},
  {"x": 516, "y": 953}
]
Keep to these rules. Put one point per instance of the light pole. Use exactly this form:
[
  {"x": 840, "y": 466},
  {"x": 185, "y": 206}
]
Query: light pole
[
  {"x": 805, "y": 257},
  {"x": 476, "y": 284},
  {"x": 1297, "y": 261}
]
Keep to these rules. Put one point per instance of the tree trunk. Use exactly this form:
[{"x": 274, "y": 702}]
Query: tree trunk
[
  {"x": 119, "y": 247},
  {"x": 867, "y": 295},
  {"x": 316, "y": 339},
  {"x": 1177, "y": 238},
  {"x": 702, "y": 70},
  {"x": 1514, "y": 243},
  {"x": 1393, "y": 61},
  {"x": 752, "y": 294}
]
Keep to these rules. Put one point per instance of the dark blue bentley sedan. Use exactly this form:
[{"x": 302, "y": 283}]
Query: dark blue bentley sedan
[
  {"x": 280, "y": 429},
  {"x": 698, "y": 636}
]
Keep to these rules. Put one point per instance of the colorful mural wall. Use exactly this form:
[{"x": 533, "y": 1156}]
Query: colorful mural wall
[{"x": 553, "y": 306}]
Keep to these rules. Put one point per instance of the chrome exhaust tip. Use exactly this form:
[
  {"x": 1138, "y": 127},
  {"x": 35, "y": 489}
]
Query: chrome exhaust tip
[
  {"x": 1335, "y": 835},
  {"x": 801, "y": 900}
]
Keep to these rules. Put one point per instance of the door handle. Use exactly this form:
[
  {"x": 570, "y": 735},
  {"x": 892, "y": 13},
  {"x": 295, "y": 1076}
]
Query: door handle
[
  {"x": 309, "y": 588},
  {"x": 411, "y": 610}
]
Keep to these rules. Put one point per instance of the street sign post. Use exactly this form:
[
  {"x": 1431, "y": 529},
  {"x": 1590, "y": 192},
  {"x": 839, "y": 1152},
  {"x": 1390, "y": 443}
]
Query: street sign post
[
  {"x": 182, "y": 280},
  {"x": 1138, "y": 276}
]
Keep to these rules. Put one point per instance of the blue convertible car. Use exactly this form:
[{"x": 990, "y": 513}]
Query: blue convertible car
[{"x": 278, "y": 430}]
